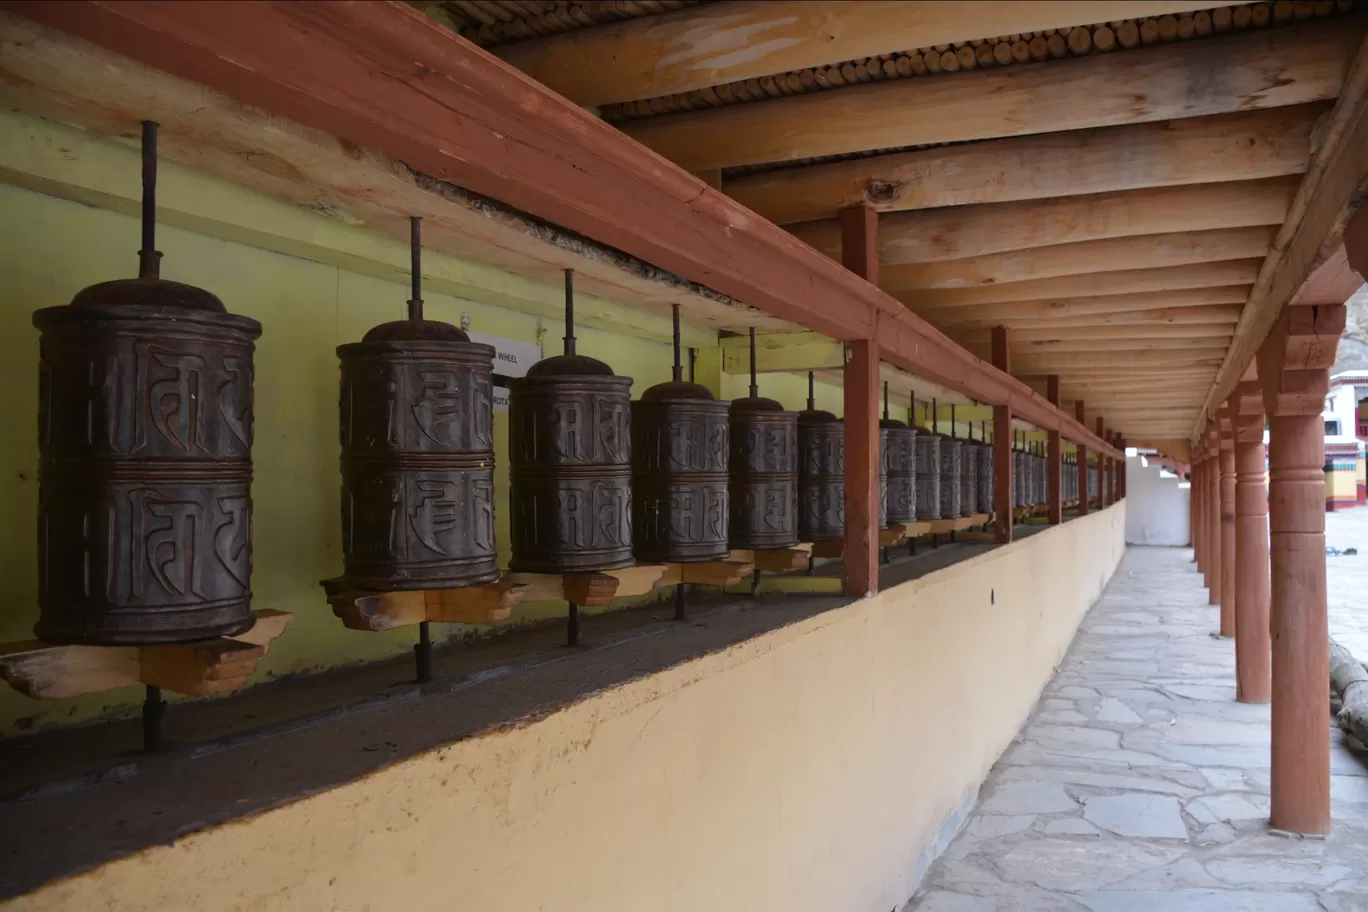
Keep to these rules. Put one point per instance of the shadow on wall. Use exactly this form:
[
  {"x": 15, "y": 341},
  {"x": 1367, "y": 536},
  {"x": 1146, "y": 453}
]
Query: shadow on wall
[{"x": 1156, "y": 505}]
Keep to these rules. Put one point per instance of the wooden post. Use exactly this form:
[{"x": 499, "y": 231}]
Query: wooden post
[
  {"x": 1216, "y": 555},
  {"x": 1121, "y": 471},
  {"x": 1056, "y": 458},
  {"x": 1229, "y": 564},
  {"x": 1081, "y": 417},
  {"x": 1002, "y": 442},
  {"x": 1293, "y": 367},
  {"x": 860, "y": 254},
  {"x": 1252, "y": 671},
  {"x": 1101, "y": 470}
]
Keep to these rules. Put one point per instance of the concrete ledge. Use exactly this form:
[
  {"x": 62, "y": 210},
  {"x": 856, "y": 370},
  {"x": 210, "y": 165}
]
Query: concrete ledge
[{"x": 813, "y": 765}]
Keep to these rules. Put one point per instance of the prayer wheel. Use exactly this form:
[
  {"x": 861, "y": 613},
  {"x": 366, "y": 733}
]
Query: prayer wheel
[
  {"x": 821, "y": 473},
  {"x": 145, "y": 445},
  {"x": 985, "y": 478},
  {"x": 969, "y": 478},
  {"x": 1020, "y": 483},
  {"x": 569, "y": 434},
  {"x": 926, "y": 446},
  {"x": 900, "y": 469},
  {"x": 417, "y": 454},
  {"x": 679, "y": 471},
  {"x": 763, "y": 471},
  {"x": 951, "y": 466}
]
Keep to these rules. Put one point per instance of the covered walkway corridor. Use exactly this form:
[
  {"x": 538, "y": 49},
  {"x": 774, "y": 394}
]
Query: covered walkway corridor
[{"x": 1140, "y": 783}]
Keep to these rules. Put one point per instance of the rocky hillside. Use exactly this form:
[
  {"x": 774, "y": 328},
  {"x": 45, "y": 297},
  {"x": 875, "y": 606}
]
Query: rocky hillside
[{"x": 1353, "y": 347}]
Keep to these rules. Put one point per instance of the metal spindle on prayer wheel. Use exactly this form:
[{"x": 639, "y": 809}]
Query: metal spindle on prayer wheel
[
  {"x": 679, "y": 473},
  {"x": 569, "y": 434},
  {"x": 763, "y": 473},
  {"x": 926, "y": 445},
  {"x": 145, "y": 445},
  {"x": 951, "y": 467},
  {"x": 417, "y": 433}
]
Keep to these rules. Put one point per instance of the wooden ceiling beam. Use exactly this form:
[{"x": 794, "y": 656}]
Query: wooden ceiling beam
[
  {"x": 1024, "y": 350},
  {"x": 1141, "y": 320},
  {"x": 1097, "y": 284},
  {"x": 1095, "y": 305},
  {"x": 1264, "y": 69},
  {"x": 725, "y": 42},
  {"x": 1101, "y": 333},
  {"x": 1250, "y": 145},
  {"x": 1308, "y": 264},
  {"x": 382, "y": 77},
  {"x": 1153, "y": 251},
  {"x": 1064, "y": 360},
  {"x": 957, "y": 232}
]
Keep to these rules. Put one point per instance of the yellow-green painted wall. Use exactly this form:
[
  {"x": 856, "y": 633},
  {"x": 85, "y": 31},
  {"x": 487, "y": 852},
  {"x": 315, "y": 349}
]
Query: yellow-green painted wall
[{"x": 815, "y": 768}]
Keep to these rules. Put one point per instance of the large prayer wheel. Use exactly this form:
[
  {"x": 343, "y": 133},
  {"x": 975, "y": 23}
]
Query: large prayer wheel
[
  {"x": 901, "y": 473},
  {"x": 969, "y": 478},
  {"x": 951, "y": 468},
  {"x": 821, "y": 474},
  {"x": 417, "y": 455},
  {"x": 679, "y": 471},
  {"x": 145, "y": 446},
  {"x": 926, "y": 445},
  {"x": 569, "y": 434},
  {"x": 763, "y": 471},
  {"x": 985, "y": 478}
]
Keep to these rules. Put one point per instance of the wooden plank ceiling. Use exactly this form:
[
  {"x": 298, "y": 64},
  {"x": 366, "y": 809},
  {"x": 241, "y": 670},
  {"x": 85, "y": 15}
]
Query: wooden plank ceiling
[{"x": 1107, "y": 181}]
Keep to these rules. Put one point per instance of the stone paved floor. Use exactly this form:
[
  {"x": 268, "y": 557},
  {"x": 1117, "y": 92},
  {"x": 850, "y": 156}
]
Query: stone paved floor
[
  {"x": 1347, "y": 579},
  {"x": 1140, "y": 785}
]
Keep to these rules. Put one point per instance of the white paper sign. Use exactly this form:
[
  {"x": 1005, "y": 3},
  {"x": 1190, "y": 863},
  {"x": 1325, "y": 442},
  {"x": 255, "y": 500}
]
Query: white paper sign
[{"x": 511, "y": 359}]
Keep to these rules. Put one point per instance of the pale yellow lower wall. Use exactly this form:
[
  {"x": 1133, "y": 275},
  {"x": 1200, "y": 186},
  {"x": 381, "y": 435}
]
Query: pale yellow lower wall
[{"x": 817, "y": 767}]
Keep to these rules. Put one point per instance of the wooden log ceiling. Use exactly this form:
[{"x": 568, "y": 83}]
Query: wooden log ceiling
[{"x": 1114, "y": 183}]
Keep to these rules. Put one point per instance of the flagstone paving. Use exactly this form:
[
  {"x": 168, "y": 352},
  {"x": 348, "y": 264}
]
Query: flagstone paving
[{"x": 1140, "y": 785}]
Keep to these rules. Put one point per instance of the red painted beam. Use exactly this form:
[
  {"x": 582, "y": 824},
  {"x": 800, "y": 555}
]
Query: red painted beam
[{"x": 383, "y": 76}]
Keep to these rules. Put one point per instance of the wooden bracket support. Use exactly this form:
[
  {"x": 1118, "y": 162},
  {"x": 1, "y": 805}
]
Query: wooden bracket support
[
  {"x": 776, "y": 560},
  {"x": 215, "y": 666},
  {"x": 367, "y": 610}
]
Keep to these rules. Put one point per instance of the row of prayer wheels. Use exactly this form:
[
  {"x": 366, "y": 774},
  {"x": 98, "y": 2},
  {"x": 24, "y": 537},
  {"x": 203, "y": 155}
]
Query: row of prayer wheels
[{"x": 146, "y": 431}]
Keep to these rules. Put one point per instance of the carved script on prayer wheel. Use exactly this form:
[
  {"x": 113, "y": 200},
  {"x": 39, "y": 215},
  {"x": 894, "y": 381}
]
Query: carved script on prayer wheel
[
  {"x": 821, "y": 476},
  {"x": 679, "y": 474},
  {"x": 417, "y": 458},
  {"x": 951, "y": 466},
  {"x": 927, "y": 447},
  {"x": 764, "y": 475},
  {"x": 570, "y": 467},
  {"x": 145, "y": 438},
  {"x": 901, "y": 472}
]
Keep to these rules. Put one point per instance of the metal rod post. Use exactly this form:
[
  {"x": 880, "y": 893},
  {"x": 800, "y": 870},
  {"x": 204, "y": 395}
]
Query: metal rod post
[
  {"x": 415, "y": 304},
  {"x": 153, "y": 718},
  {"x": 149, "y": 257},
  {"x": 755, "y": 584},
  {"x": 754, "y": 387},
  {"x": 572, "y": 626},
  {"x": 812, "y": 400},
  {"x": 681, "y": 611},
  {"x": 678, "y": 373},
  {"x": 569, "y": 312},
  {"x": 422, "y": 653}
]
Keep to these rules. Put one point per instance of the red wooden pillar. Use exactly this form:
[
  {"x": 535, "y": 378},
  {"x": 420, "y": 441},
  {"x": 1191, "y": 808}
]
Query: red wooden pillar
[
  {"x": 1055, "y": 459},
  {"x": 1215, "y": 556},
  {"x": 1199, "y": 511},
  {"x": 860, "y": 254},
  {"x": 1082, "y": 463},
  {"x": 1002, "y": 442},
  {"x": 1195, "y": 514},
  {"x": 1293, "y": 367},
  {"x": 1252, "y": 669},
  {"x": 1102, "y": 462},
  {"x": 1125, "y": 463},
  {"x": 1229, "y": 559}
]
